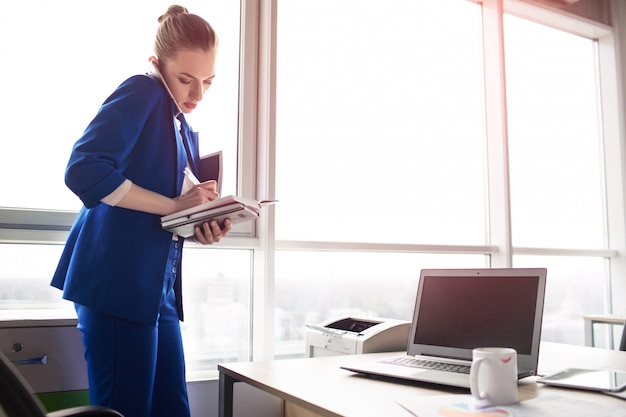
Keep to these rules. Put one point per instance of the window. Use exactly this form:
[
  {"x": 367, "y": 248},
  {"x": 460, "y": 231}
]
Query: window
[
  {"x": 216, "y": 293},
  {"x": 380, "y": 139},
  {"x": 557, "y": 184},
  {"x": 555, "y": 146},
  {"x": 576, "y": 286},
  {"x": 379, "y": 122},
  {"x": 24, "y": 280},
  {"x": 383, "y": 167}
]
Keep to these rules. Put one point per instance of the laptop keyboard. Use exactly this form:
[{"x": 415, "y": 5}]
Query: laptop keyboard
[{"x": 427, "y": 364}]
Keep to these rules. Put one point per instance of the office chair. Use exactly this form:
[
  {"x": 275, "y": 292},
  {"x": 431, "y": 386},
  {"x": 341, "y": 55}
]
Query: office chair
[
  {"x": 622, "y": 345},
  {"x": 18, "y": 400}
]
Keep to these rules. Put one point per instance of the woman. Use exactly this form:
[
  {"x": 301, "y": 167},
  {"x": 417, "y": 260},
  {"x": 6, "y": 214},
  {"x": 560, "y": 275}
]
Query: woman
[{"x": 119, "y": 267}]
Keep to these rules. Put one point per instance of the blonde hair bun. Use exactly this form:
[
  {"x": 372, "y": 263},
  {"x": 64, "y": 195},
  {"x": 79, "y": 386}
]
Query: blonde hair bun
[
  {"x": 173, "y": 10},
  {"x": 178, "y": 29}
]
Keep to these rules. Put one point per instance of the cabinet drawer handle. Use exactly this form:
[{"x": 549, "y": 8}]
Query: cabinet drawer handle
[{"x": 42, "y": 360}]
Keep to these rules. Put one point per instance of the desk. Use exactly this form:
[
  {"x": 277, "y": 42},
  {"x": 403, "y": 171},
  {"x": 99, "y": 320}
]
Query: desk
[
  {"x": 592, "y": 319},
  {"x": 318, "y": 387}
]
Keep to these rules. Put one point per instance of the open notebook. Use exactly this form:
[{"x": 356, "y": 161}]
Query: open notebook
[{"x": 457, "y": 310}]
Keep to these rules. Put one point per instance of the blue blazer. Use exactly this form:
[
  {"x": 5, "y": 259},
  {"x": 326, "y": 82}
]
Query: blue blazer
[{"x": 114, "y": 258}]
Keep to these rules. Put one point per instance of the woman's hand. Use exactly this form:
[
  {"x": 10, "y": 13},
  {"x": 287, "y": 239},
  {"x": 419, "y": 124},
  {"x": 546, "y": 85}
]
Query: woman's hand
[
  {"x": 199, "y": 194},
  {"x": 210, "y": 232}
]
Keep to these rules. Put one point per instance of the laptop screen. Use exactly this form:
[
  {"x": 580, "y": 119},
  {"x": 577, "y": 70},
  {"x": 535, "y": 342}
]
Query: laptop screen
[
  {"x": 458, "y": 310},
  {"x": 478, "y": 311}
]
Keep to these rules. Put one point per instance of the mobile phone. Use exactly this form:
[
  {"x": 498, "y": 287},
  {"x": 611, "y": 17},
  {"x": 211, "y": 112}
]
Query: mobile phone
[{"x": 160, "y": 76}]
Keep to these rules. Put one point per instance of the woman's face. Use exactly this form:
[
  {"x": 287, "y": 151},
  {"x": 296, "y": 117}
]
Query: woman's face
[{"x": 189, "y": 76}]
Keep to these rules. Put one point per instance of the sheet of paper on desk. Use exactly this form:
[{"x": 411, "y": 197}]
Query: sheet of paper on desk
[{"x": 546, "y": 405}]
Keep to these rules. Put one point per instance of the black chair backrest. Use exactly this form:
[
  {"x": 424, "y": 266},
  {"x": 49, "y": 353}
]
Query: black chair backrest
[
  {"x": 16, "y": 398},
  {"x": 622, "y": 345}
]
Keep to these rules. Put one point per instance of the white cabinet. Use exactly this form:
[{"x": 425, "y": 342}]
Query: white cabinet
[{"x": 48, "y": 353}]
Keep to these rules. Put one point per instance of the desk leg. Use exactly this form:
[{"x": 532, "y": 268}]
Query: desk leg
[
  {"x": 589, "y": 333},
  {"x": 226, "y": 395}
]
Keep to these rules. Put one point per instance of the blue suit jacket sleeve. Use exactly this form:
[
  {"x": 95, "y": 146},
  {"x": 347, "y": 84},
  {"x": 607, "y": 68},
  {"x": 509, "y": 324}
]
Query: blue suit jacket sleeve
[{"x": 100, "y": 158}]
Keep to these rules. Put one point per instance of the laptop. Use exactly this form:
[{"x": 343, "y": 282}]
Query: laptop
[{"x": 457, "y": 310}]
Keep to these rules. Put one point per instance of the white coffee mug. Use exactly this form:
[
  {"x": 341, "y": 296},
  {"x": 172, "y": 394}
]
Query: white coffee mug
[{"x": 493, "y": 376}]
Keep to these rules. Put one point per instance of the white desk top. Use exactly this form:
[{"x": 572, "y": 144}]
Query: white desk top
[
  {"x": 320, "y": 386},
  {"x": 606, "y": 318}
]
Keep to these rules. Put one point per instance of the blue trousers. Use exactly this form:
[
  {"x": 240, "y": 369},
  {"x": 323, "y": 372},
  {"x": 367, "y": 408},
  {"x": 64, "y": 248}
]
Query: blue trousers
[{"x": 137, "y": 369}]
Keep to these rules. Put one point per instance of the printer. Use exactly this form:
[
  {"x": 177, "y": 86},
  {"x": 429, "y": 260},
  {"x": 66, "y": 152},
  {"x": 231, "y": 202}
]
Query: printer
[{"x": 354, "y": 335}]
